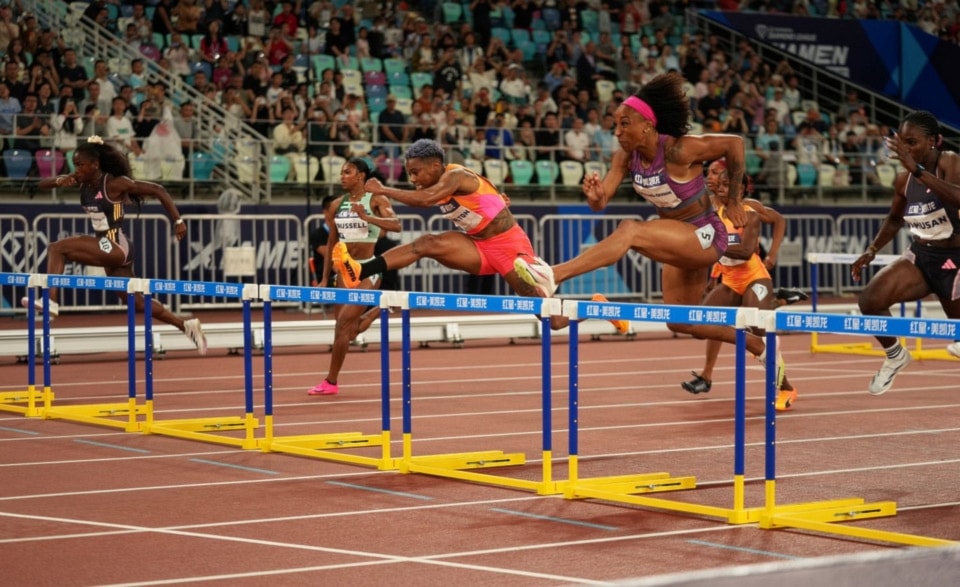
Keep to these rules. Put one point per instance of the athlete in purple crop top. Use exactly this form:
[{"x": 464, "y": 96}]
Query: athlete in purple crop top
[
  {"x": 665, "y": 166},
  {"x": 926, "y": 198}
]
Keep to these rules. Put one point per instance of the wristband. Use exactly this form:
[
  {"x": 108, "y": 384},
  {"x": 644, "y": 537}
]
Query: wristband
[
  {"x": 872, "y": 250},
  {"x": 178, "y": 222}
]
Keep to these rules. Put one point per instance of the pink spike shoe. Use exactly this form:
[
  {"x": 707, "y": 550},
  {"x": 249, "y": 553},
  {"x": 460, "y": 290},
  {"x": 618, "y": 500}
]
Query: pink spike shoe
[{"x": 325, "y": 388}]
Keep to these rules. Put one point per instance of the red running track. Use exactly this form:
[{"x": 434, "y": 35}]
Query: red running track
[{"x": 89, "y": 505}]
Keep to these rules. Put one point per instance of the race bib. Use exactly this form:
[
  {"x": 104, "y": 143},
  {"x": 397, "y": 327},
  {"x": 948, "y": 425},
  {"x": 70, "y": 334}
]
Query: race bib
[
  {"x": 99, "y": 221},
  {"x": 706, "y": 235},
  {"x": 106, "y": 245}
]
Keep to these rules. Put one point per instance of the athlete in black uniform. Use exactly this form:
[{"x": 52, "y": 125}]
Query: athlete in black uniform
[
  {"x": 103, "y": 175},
  {"x": 926, "y": 198}
]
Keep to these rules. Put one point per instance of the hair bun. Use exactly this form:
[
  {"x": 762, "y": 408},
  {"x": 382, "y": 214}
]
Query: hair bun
[{"x": 95, "y": 140}]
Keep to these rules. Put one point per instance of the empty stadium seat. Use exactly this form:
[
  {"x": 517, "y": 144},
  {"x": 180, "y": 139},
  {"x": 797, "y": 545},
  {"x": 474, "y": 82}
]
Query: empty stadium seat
[
  {"x": 521, "y": 171},
  {"x": 202, "y": 166},
  {"x": 806, "y": 174},
  {"x": 452, "y": 12},
  {"x": 171, "y": 168},
  {"x": 306, "y": 168},
  {"x": 371, "y": 64},
  {"x": 474, "y": 164},
  {"x": 598, "y": 167},
  {"x": 571, "y": 172},
  {"x": 886, "y": 173},
  {"x": 547, "y": 171},
  {"x": 280, "y": 166},
  {"x": 332, "y": 165},
  {"x": 828, "y": 174},
  {"x": 496, "y": 171},
  {"x": 18, "y": 163},
  {"x": 49, "y": 162}
]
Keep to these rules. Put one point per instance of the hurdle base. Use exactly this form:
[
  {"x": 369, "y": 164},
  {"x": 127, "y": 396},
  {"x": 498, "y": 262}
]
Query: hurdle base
[
  {"x": 100, "y": 415},
  {"x": 633, "y": 489},
  {"x": 463, "y": 466},
  {"x": 206, "y": 429},
  {"x": 823, "y": 517},
  {"x": 33, "y": 402},
  {"x": 328, "y": 447}
]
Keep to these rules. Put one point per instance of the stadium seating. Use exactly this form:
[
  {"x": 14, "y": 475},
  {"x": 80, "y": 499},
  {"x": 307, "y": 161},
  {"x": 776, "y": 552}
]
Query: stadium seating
[
  {"x": 419, "y": 79},
  {"x": 547, "y": 171},
  {"x": 452, "y": 12},
  {"x": 598, "y": 167},
  {"x": 827, "y": 175},
  {"x": 280, "y": 167},
  {"x": 369, "y": 64},
  {"x": 496, "y": 170},
  {"x": 18, "y": 163},
  {"x": 306, "y": 168},
  {"x": 474, "y": 164},
  {"x": 571, "y": 172},
  {"x": 202, "y": 166},
  {"x": 49, "y": 162},
  {"x": 886, "y": 173},
  {"x": 331, "y": 166},
  {"x": 806, "y": 174},
  {"x": 521, "y": 171}
]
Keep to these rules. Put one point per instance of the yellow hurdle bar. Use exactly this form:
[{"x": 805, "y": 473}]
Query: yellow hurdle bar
[
  {"x": 35, "y": 401},
  {"x": 100, "y": 414},
  {"x": 329, "y": 447},
  {"x": 205, "y": 429},
  {"x": 462, "y": 466}
]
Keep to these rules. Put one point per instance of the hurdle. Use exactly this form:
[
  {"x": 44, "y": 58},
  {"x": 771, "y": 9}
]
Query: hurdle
[
  {"x": 330, "y": 446},
  {"x": 209, "y": 429},
  {"x": 466, "y": 466},
  {"x": 863, "y": 348},
  {"x": 634, "y": 488},
  {"x": 823, "y": 516},
  {"x": 115, "y": 415},
  {"x": 27, "y": 401}
]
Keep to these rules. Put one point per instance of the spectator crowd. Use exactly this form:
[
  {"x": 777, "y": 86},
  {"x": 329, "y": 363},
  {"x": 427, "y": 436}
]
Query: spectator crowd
[{"x": 534, "y": 80}]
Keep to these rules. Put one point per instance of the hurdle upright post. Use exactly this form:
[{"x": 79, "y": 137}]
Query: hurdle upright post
[
  {"x": 633, "y": 488},
  {"x": 26, "y": 401},
  {"x": 332, "y": 445}
]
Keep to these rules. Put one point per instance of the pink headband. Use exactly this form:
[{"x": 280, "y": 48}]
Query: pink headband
[{"x": 642, "y": 107}]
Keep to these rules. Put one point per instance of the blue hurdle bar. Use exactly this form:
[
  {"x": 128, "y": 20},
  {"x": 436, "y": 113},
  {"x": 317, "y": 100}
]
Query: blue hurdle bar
[
  {"x": 628, "y": 487},
  {"x": 464, "y": 465},
  {"x": 25, "y": 401}
]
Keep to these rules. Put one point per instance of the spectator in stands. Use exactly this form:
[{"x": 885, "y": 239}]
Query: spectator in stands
[
  {"x": 178, "y": 54},
  {"x": 481, "y": 10},
  {"x": 8, "y": 26},
  {"x": 337, "y": 41},
  {"x": 289, "y": 136},
  {"x": 425, "y": 128},
  {"x": 525, "y": 146},
  {"x": 188, "y": 127},
  {"x": 852, "y": 104},
  {"x": 66, "y": 126},
  {"x": 447, "y": 76},
  {"x": 259, "y": 19},
  {"x": 343, "y": 130},
  {"x": 578, "y": 144},
  {"x": 392, "y": 127},
  {"x": 16, "y": 55},
  {"x": 634, "y": 15},
  {"x": 92, "y": 99},
  {"x": 46, "y": 102},
  {"x": 781, "y": 107},
  {"x": 235, "y": 23},
  {"x": 735, "y": 122},
  {"x": 30, "y": 126},
  {"x": 469, "y": 52},
  {"x": 12, "y": 77},
  {"x": 587, "y": 68},
  {"x": 185, "y": 16},
  {"x": 477, "y": 147},
  {"x": 424, "y": 57},
  {"x": 213, "y": 45},
  {"x": 499, "y": 139},
  {"x": 101, "y": 75},
  {"x": 120, "y": 131},
  {"x": 548, "y": 138},
  {"x": 514, "y": 85},
  {"x": 278, "y": 47},
  {"x": 605, "y": 140}
]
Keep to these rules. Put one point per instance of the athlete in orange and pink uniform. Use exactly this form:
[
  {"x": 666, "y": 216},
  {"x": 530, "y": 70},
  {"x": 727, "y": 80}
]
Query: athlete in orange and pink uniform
[{"x": 490, "y": 239}]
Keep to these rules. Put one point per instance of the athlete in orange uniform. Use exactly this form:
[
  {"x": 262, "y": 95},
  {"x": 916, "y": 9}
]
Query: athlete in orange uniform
[
  {"x": 745, "y": 281},
  {"x": 490, "y": 239}
]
